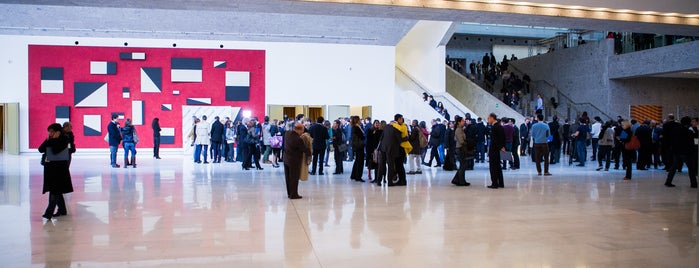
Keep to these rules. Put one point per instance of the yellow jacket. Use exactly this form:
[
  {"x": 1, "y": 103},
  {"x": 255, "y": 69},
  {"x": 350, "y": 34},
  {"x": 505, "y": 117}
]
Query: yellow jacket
[{"x": 403, "y": 134}]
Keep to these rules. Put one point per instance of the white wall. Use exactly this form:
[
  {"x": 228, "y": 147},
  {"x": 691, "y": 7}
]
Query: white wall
[
  {"x": 297, "y": 73},
  {"x": 421, "y": 56}
]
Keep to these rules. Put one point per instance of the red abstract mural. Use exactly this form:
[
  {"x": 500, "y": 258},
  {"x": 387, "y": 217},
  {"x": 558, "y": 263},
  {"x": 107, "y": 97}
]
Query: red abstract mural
[{"x": 86, "y": 85}]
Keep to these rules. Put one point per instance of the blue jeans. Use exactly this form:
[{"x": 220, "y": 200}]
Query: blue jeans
[
  {"x": 198, "y": 151},
  {"x": 440, "y": 149},
  {"x": 112, "y": 154},
  {"x": 581, "y": 150},
  {"x": 480, "y": 151},
  {"x": 129, "y": 147}
]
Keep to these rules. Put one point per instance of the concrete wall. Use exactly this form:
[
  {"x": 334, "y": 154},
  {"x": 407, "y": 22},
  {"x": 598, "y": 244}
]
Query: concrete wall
[
  {"x": 421, "y": 56},
  {"x": 473, "y": 47},
  {"x": 582, "y": 73},
  {"x": 666, "y": 59},
  {"x": 297, "y": 73}
]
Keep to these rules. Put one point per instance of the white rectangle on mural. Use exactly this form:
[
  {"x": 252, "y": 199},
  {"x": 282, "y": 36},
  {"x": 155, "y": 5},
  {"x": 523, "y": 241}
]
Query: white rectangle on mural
[
  {"x": 181, "y": 75},
  {"x": 52, "y": 86},
  {"x": 137, "y": 112}
]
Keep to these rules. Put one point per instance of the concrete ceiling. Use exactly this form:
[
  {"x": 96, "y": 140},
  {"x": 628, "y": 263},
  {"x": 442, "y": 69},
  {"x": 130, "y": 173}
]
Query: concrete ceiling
[{"x": 408, "y": 12}]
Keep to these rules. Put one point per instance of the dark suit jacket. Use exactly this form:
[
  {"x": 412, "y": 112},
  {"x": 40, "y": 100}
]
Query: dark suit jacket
[
  {"x": 390, "y": 144},
  {"x": 319, "y": 133},
  {"x": 217, "y": 131},
  {"x": 497, "y": 139},
  {"x": 293, "y": 153},
  {"x": 114, "y": 134}
]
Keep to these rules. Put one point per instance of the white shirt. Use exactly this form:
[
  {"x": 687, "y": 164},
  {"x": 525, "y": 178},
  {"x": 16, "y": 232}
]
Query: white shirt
[
  {"x": 596, "y": 128},
  {"x": 539, "y": 104}
]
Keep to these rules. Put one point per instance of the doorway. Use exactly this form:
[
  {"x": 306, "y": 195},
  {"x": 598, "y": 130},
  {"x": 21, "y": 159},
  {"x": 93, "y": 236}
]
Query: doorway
[
  {"x": 314, "y": 113},
  {"x": 9, "y": 127},
  {"x": 2, "y": 127},
  {"x": 289, "y": 111}
]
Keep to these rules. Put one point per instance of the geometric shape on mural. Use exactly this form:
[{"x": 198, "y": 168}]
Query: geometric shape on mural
[
  {"x": 51, "y": 80},
  {"x": 198, "y": 101},
  {"x": 185, "y": 70},
  {"x": 237, "y": 86},
  {"x": 167, "y": 135},
  {"x": 90, "y": 94},
  {"x": 166, "y": 107},
  {"x": 119, "y": 115},
  {"x": 175, "y": 92},
  {"x": 132, "y": 56},
  {"x": 151, "y": 80},
  {"x": 92, "y": 125},
  {"x": 102, "y": 67},
  {"x": 137, "y": 112},
  {"x": 62, "y": 114},
  {"x": 219, "y": 64},
  {"x": 126, "y": 93}
]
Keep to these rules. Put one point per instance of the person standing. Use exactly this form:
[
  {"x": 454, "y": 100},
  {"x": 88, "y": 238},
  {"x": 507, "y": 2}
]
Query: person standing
[
  {"x": 338, "y": 141},
  {"x": 395, "y": 145},
  {"x": 627, "y": 154},
  {"x": 201, "y": 140},
  {"x": 566, "y": 137},
  {"x": 128, "y": 132},
  {"x": 294, "y": 148},
  {"x": 580, "y": 136},
  {"x": 373, "y": 136},
  {"x": 319, "y": 133},
  {"x": 416, "y": 139},
  {"x": 241, "y": 134},
  {"x": 524, "y": 137},
  {"x": 509, "y": 138},
  {"x": 357, "y": 143},
  {"x": 515, "y": 144},
  {"x": 555, "y": 143},
  {"x": 253, "y": 141},
  {"x": 57, "y": 179},
  {"x": 595, "y": 131},
  {"x": 540, "y": 132},
  {"x": 450, "y": 146},
  {"x": 539, "y": 104},
  {"x": 496, "y": 145},
  {"x": 645, "y": 136},
  {"x": 114, "y": 139},
  {"x": 218, "y": 133},
  {"x": 480, "y": 141},
  {"x": 606, "y": 142},
  {"x": 68, "y": 131},
  {"x": 461, "y": 152},
  {"x": 684, "y": 151},
  {"x": 155, "y": 125}
]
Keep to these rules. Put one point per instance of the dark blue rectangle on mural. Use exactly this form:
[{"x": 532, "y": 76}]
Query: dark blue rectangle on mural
[
  {"x": 62, "y": 111},
  {"x": 111, "y": 67},
  {"x": 237, "y": 93},
  {"x": 48, "y": 73},
  {"x": 186, "y": 63},
  {"x": 167, "y": 139},
  {"x": 125, "y": 90}
]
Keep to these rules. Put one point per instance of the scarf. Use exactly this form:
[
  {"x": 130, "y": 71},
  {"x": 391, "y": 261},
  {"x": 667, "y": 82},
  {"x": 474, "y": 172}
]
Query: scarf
[{"x": 403, "y": 134}]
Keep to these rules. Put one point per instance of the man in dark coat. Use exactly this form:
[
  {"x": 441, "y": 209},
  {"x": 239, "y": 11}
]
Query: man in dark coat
[
  {"x": 480, "y": 141},
  {"x": 645, "y": 137},
  {"x": 114, "y": 139},
  {"x": 683, "y": 150},
  {"x": 395, "y": 154},
  {"x": 217, "y": 136},
  {"x": 294, "y": 149},
  {"x": 497, "y": 145},
  {"x": 434, "y": 142},
  {"x": 320, "y": 136},
  {"x": 241, "y": 143}
]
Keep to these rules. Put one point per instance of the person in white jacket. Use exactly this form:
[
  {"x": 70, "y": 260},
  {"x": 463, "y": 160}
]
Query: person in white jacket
[{"x": 201, "y": 140}]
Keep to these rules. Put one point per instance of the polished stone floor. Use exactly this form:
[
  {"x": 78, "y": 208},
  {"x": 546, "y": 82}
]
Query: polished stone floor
[{"x": 173, "y": 213}]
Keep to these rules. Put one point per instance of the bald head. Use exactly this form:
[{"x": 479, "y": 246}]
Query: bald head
[{"x": 299, "y": 128}]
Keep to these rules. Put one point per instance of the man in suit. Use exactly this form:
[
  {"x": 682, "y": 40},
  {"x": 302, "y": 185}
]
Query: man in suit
[
  {"x": 395, "y": 154},
  {"x": 497, "y": 145},
  {"x": 217, "y": 137},
  {"x": 434, "y": 143},
  {"x": 320, "y": 135},
  {"x": 480, "y": 141},
  {"x": 114, "y": 139},
  {"x": 294, "y": 149}
]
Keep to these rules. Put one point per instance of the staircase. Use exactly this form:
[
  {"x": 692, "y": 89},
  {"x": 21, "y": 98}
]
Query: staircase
[
  {"x": 565, "y": 107},
  {"x": 481, "y": 102},
  {"x": 420, "y": 109}
]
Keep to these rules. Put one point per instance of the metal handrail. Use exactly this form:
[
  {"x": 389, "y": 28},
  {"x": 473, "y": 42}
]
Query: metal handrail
[
  {"x": 423, "y": 88},
  {"x": 560, "y": 94}
]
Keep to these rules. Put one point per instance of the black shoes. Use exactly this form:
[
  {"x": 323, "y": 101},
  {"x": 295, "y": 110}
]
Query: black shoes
[
  {"x": 311, "y": 173},
  {"x": 295, "y": 197},
  {"x": 492, "y": 186},
  {"x": 321, "y": 173},
  {"x": 672, "y": 185},
  {"x": 259, "y": 168}
]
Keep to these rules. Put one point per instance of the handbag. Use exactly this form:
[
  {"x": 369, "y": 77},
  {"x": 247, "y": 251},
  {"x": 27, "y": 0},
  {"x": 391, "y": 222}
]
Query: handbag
[
  {"x": 135, "y": 136},
  {"x": 376, "y": 157},
  {"x": 633, "y": 144},
  {"x": 60, "y": 156},
  {"x": 276, "y": 141},
  {"x": 342, "y": 147}
]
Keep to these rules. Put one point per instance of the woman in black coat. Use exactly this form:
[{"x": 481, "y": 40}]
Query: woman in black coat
[
  {"x": 56, "y": 173},
  {"x": 338, "y": 140},
  {"x": 156, "y": 137},
  {"x": 357, "y": 142}
]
